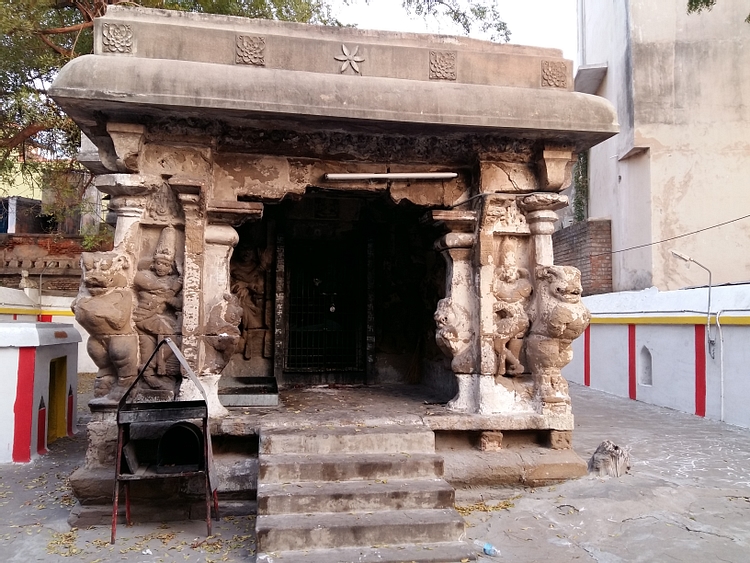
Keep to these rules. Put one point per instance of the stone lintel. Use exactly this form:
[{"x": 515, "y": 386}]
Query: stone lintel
[
  {"x": 234, "y": 212},
  {"x": 454, "y": 220}
]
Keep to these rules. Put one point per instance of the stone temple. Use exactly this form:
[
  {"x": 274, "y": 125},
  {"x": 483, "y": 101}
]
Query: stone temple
[{"x": 301, "y": 205}]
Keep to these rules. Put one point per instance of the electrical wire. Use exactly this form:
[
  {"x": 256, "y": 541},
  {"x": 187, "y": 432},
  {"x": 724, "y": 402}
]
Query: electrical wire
[{"x": 671, "y": 238}]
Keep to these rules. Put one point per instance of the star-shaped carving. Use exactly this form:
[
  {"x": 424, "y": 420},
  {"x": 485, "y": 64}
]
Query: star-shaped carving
[{"x": 349, "y": 59}]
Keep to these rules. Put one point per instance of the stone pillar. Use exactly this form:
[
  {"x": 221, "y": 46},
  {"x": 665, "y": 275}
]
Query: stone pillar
[
  {"x": 189, "y": 197},
  {"x": 221, "y": 311},
  {"x": 559, "y": 316},
  {"x": 539, "y": 209},
  {"x": 456, "y": 315},
  {"x": 503, "y": 233},
  {"x": 129, "y": 194}
]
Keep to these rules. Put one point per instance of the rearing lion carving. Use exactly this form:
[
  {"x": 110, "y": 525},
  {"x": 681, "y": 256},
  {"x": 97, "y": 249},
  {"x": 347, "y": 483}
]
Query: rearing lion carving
[{"x": 559, "y": 317}]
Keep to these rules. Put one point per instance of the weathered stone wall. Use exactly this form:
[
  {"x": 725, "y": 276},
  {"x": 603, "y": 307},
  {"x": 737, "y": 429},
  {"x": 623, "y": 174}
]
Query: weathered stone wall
[
  {"x": 587, "y": 246},
  {"x": 57, "y": 259}
]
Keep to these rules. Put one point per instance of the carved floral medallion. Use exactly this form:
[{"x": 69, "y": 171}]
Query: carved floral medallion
[
  {"x": 250, "y": 50},
  {"x": 442, "y": 65},
  {"x": 554, "y": 74},
  {"x": 117, "y": 38}
]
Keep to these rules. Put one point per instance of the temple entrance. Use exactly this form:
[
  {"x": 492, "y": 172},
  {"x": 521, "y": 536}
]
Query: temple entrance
[{"x": 327, "y": 292}]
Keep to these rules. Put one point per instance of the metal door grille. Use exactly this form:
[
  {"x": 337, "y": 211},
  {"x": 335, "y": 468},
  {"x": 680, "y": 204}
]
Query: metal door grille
[{"x": 327, "y": 305}]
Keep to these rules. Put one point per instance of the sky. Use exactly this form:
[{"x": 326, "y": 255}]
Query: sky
[{"x": 541, "y": 23}]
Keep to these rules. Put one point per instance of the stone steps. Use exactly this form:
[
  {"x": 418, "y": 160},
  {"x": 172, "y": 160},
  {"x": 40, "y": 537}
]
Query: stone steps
[
  {"x": 440, "y": 552},
  {"x": 348, "y": 439},
  {"x": 286, "y": 532},
  {"x": 241, "y": 391},
  {"x": 356, "y": 494},
  {"x": 288, "y": 468}
]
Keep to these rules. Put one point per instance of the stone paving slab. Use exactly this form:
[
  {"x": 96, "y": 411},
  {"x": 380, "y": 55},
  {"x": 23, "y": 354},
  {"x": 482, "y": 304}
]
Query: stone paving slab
[{"x": 687, "y": 498}]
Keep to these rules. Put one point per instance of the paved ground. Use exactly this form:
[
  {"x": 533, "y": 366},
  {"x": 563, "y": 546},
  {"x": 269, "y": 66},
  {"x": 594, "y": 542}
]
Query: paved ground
[{"x": 687, "y": 499}]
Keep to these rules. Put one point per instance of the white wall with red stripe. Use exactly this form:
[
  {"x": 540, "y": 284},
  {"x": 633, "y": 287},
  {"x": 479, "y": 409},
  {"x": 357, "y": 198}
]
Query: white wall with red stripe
[
  {"x": 28, "y": 354},
  {"x": 662, "y": 349}
]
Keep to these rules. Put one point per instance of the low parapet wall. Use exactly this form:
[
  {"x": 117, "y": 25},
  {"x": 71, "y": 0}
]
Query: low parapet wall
[{"x": 663, "y": 349}]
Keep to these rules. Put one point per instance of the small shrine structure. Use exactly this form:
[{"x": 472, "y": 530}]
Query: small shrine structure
[{"x": 301, "y": 205}]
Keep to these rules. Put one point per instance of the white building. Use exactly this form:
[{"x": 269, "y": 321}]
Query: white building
[{"x": 681, "y": 86}]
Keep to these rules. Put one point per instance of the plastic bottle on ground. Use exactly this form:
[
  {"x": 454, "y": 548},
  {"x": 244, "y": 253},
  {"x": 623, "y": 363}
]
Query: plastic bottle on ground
[{"x": 487, "y": 548}]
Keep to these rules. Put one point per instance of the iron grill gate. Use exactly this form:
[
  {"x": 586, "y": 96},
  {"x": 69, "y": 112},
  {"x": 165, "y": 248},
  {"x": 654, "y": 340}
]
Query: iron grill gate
[{"x": 327, "y": 306}]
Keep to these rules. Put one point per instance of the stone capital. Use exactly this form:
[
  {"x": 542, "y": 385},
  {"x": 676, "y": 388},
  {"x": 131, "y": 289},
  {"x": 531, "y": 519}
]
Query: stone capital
[
  {"x": 128, "y": 184},
  {"x": 221, "y": 235},
  {"x": 453, "y": 241},
  {"x": 542, "y": 202}
]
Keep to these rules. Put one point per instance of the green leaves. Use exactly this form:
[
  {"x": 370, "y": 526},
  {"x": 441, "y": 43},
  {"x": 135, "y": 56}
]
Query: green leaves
[
  {"x": 697, "y": 6},
  {"x": 38, "y": 142},
  {"x": 470, "y": 15}
]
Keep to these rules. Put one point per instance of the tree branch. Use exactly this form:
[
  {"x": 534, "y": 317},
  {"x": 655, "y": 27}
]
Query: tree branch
[
  {"x": 69, "y": 29},
  {"x": 54, "y": 46},
  {"x": 22, "y": 135}
]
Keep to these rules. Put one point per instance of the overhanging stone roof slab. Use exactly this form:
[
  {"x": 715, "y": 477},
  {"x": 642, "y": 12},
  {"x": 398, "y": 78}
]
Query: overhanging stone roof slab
[
  {"x": 125, "y": 86},
  {"x": 155, "y": 64}
]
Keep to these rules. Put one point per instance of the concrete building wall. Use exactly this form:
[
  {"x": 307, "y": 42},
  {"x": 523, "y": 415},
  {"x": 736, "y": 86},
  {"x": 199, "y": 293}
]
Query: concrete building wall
[
  {"x": 681, "y": 84},
  {"x": 654, "y": 347}
]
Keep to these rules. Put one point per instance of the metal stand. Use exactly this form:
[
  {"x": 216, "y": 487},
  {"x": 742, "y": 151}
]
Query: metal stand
[{"x": 161, "y": 411}]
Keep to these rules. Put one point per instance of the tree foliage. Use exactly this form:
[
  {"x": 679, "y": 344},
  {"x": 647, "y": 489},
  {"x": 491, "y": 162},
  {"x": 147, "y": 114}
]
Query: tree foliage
[
  {"x": 697, "y": 6},
  {"x": 470, "y": 16},
  {"x": 38, "y": 142}
]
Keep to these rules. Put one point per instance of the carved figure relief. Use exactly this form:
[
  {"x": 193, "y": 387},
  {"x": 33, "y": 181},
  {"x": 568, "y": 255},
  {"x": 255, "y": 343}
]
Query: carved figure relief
[
  {"x": 504, "y": 216},
  {"x": 249, "y": 277},
  {"x": 158, "y": 311},
  {"x": 250, "y": 50},
  {"x": 511, "y": 288},
  {"x": 559, "y": 317},
  {"x": 349, "y": 59},
  {"x": 222, "y": 333},
  {"x": 103, "y": 307},
  {"x": 163, "y": 207},
  {"x": 443, "y": 65},
  {"x": 117, "y": 38},
  {"x": 554, "y": 74},
  {"x": 454, "y": 334}
]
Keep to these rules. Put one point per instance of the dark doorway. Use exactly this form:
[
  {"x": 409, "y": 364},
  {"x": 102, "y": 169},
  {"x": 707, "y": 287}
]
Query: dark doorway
[{"x": 327, "y": 289}]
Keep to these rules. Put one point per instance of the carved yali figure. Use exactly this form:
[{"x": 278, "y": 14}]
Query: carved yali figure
[
  {"x": 157, "y": 314},
  {"x": 559, "y": 317},
  {"x": 249, "y": 285},
  {"x": 454, "y": 334},
  {"x": 222, "y": 333},
  {"x": 511, "y": 288},
  {"x": 103, "y": 308}
]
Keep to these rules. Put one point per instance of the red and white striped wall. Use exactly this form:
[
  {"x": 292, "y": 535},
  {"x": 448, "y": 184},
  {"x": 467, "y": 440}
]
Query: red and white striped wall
[
  {"x": 666, "y": 360},
  {"x": 38, "y": 387}
]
